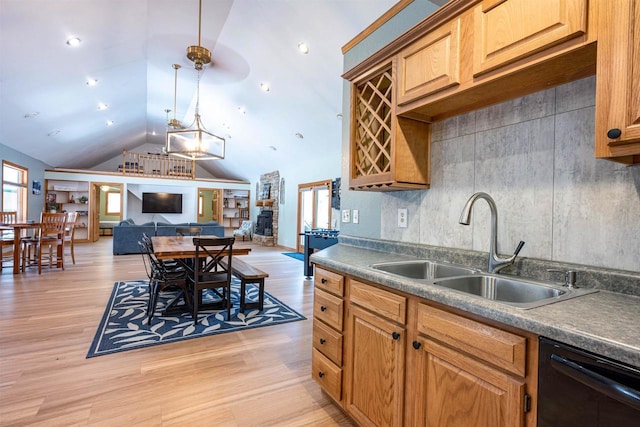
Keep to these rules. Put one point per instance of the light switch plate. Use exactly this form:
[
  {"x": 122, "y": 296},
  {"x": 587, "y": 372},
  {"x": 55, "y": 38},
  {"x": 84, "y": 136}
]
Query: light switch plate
[
  {"x": 355, "y": 216},
  {"x": 402, "y": 218},
  {"x": 346, "y": 215}
]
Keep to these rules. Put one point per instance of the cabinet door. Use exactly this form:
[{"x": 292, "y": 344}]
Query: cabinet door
[
  {"x": 431, "y": 64},
  {"x": 618, "y": 82},
  {"x": 508, "y": 30},
  {"x": 456, "y": 390},
  {"x": 375, "y": 369}
]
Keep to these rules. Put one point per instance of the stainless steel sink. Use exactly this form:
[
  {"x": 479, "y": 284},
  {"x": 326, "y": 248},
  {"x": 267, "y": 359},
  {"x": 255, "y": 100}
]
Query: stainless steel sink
[
  {"x": 424, "y": 269},
  {"x": 520, "y": 293}
]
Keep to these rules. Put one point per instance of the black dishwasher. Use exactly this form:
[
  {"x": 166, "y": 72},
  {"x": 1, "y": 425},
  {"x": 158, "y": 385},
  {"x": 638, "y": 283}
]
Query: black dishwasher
[{"x": 580, "y": 389}]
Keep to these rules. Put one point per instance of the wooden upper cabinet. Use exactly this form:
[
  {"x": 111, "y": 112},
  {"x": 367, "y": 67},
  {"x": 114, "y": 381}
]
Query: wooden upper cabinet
[
  {"x": 387, "y": 152},
  {"x": 618, "y": 83},
  {"x": 430, "y": 64},
  {"x": 508, "y": 30}
]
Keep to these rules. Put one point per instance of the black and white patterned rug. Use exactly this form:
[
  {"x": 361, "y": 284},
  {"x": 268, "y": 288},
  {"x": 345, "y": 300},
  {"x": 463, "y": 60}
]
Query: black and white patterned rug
[{"x": 124, "y": 323}]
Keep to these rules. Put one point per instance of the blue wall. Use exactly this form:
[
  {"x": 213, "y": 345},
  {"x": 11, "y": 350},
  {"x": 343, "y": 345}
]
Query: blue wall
[{"x": 36, "y": 173}]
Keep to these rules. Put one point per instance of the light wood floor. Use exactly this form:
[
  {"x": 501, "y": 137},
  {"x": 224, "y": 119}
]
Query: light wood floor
[{"x": 258, "y": 377}]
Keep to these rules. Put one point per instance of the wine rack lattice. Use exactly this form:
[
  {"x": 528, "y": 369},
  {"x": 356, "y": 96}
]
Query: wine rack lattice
[{"x": 372, "y": 136}]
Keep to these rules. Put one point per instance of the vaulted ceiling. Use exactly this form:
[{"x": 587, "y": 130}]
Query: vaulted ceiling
[{"x": 48, "y": 112}]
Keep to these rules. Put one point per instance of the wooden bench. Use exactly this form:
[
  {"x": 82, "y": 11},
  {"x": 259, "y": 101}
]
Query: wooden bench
[{"x": 248, "y": 274}]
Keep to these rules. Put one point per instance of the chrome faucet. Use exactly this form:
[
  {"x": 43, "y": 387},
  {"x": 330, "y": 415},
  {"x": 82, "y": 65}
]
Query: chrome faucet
[{"x": 495, "y": 262}]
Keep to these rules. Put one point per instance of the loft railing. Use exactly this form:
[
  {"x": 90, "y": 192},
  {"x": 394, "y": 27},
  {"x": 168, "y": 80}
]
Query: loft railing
[{"x": 157, "y": 165}]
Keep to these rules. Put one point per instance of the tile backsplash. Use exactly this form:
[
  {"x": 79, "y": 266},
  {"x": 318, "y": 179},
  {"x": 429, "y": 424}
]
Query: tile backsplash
[{"x": 535, "y": 156}]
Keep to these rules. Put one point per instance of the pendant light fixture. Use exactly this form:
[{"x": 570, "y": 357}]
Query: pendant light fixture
[
  {"x": 196, "y": 142},
  {"x": 174, "y": 123}
]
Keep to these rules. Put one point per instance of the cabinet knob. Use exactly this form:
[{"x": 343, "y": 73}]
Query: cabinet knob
[
  {"x": 322, "y": 341},
  {"x": 614, "y": 133},
  {"x": 321, "y": 374},
  {"x": 416, "y": 345},
  {"x": 323, "y": 281},
  {"x": 395, "y": 336},
  {"x": 323, "y": 308}
]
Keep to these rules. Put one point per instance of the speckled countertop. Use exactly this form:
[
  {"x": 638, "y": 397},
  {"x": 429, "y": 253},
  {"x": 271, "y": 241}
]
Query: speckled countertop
[{"x": 604, "y": 322}]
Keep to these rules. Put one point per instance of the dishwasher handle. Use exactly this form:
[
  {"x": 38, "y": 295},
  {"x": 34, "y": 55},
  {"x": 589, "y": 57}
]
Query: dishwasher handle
[{"x": 596, "y": 381}]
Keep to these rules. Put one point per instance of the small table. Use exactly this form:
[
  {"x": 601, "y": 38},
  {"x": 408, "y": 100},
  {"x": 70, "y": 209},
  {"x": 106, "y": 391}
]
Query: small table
[{"x": 17, "y": 233}]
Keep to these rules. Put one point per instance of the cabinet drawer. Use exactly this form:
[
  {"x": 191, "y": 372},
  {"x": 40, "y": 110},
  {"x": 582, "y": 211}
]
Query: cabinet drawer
[
  {"x": 328, "y": 308},
  {"x": 381, "y": 302},
  {"x": 328, "y": 375},
  {"x": 500, "y": 348},
  {"x": 327, "y": 341},
  {"x": 330, "y": 282}
]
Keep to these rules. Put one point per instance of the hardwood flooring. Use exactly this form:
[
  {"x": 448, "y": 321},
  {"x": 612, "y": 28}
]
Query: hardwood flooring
[{"x": 257, "y": 377}]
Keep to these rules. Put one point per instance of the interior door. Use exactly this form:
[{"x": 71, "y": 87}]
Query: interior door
[
  {"x": 105, "y": 204},
  {"x": 314, "y": 208},
  {"x": 210, "y": 205}
]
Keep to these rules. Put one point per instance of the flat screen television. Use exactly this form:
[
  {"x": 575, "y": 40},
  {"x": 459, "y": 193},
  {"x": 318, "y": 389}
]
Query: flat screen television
[{"x": 161, "y": 203}]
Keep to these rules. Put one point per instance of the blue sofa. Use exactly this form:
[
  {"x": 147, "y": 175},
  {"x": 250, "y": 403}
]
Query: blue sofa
[{"x": 127, "y": 233}]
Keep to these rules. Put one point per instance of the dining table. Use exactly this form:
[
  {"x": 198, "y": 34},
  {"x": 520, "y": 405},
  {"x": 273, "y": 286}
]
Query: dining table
[
  {"x": 18, "y": 229},
  {"x": 182, "y": 249}
]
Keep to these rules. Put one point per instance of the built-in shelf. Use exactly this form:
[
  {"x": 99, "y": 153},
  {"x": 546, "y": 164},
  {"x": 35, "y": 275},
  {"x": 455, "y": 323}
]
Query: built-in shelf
[{"x": 265, "y": 202}]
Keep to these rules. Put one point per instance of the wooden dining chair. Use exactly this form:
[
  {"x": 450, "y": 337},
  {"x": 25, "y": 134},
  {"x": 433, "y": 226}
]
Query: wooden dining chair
[
  {"x": 70, "y": 233},
  {"x": 212, "y": 270},
  {"x": 161, "y": 277},
  {"x": 50, "y": 235},
  {"x": 6, "y": 237}
]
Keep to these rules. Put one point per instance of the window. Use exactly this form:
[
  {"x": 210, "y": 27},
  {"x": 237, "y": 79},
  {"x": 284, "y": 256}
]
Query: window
[
  {"x": 15, "y": 189},
  {"x": 200, "y": 205},
  {"x": 113, "y": 203}
]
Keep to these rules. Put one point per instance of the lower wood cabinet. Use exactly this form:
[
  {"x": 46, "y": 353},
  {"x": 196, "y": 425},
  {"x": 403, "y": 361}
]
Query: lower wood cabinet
[
  {"x": 459, "y": 390},
  {"x": 374, "y": 369},
  {"x": 328, "y": 322},
  {"x": 401, "y": 360}
]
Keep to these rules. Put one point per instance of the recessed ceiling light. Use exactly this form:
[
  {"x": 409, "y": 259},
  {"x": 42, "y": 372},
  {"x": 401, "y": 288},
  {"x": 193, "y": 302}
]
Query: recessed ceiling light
[
  {"x": 109, "y": 122},
  {"x": 31, "y": 115},
  {"x": 303, "y": 48},
  {"x": 102, "y": 106},
  {"x": 265, "y": 87},
  {"x": 92, "y": 82},
  {"x": 299, "y": 135},
  {"x": 73, "y": 41},
  {"x": 54, "y": 132}
]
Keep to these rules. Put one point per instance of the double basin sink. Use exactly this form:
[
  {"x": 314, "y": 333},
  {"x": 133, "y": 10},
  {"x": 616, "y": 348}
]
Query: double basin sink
[{"x": 516, "y": 292}]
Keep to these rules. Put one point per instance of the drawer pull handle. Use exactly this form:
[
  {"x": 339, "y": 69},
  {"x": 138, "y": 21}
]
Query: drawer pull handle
[
  {"x": 395, "y": 336},
  {"x": 322, "y": 341},
  {"x": 320, "y": 374},
  {"x": 323, "y": 308},
  {"x": 323, "y": 281},
  {"x": 416, "y": 345}
]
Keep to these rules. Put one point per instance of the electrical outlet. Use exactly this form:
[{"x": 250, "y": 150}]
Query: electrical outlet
[
  {"x": 346, "y": 215},
  {"x": 355, "y": 216},
  {"x": 402, "y": 218}
]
